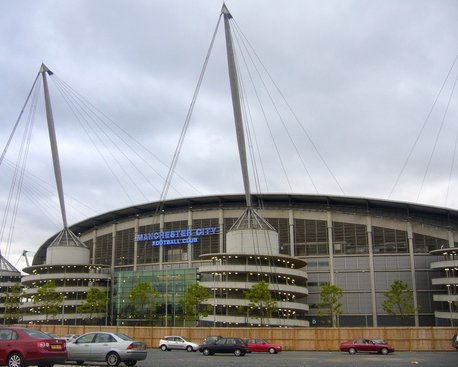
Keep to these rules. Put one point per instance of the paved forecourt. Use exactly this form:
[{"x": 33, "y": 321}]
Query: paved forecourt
[{"x": 157, "y": 358}]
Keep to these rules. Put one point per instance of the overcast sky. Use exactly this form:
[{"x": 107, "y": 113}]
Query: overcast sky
[{"x": 369, "y": 82}]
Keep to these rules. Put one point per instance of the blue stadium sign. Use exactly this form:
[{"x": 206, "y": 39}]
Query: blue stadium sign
[{"x": 178, "y": 237}]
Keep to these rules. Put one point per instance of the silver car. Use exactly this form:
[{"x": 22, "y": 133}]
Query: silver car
[
  {"x": 177, "y": 342},
  {"x": 112, "y": 348},
  {"x": 70, "y": 337}
]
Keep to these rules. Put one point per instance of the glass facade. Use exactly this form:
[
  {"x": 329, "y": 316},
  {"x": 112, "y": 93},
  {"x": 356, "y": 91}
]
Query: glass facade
[{"x": 170, "y": 286}]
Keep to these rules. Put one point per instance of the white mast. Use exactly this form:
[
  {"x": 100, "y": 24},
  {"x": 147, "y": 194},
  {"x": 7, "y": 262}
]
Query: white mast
[
  {"x": 233, "y": 79},
  {"x": 52, "y": 137}
]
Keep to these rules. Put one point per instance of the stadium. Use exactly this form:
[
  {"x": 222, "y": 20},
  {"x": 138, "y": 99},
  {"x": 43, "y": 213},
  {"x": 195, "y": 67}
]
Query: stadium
[
  {"x": 360, "y": 245},
  {"x": 296, "y": 243}
]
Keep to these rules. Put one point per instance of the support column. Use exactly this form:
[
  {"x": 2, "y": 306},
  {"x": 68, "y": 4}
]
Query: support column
[
  {"x": 94, "y": 246},
  {"x": 330, "y": 247},
  {"x": 292, "y": 238},
  {"x": 113, "y": 246},
  {"x": 137, "y": 225},
  {"x": 161, "y": 248},
  {"x": 190, "y": 245},
  {"x": 412, "y": 271},
  {"x": 221, "y": 231},
  {"x": 451, "y": 239},
  {"x": 371, "y": 271}
]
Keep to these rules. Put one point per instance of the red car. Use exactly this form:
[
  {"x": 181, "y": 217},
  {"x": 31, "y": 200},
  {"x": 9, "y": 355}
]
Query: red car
[
  {"x": 260, "y": 345},
  {"x": 24, "y": 347},
  {"x": 366, "y": 346}
]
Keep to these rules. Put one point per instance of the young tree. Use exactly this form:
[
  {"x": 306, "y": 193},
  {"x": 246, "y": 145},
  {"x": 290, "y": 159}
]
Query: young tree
[
  {"x": 142, "y": 300},
  {"x": 330, "y": 304},
  {"x": 399, "y": 301},
  {"x": 95, "y": 302},
  {"x": 12, "y": 303},
  {"x": 48, "y": 299},
  {"x": 261, "y": 302},
  {"x": 192, "y": 302}
]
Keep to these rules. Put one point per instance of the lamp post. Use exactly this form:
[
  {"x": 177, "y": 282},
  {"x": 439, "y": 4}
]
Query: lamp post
[
  {"x": 214, "y": 307},
  {"x": 166, "y": 302},
  {"x": 450, "y": 304}
]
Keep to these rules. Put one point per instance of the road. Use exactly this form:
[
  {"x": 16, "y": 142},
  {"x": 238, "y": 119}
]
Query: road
[{"x": 157, "y": 358}]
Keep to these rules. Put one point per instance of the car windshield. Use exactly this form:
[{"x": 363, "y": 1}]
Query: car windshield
[
  {"x": 123, "y": 336},
  {"x": 37, "y": 334}
]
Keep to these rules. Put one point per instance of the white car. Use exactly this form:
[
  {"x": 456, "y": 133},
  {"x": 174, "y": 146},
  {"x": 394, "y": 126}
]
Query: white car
[
  {"x": 177, "y": 342},
  {"x": 112, "y": 348}
]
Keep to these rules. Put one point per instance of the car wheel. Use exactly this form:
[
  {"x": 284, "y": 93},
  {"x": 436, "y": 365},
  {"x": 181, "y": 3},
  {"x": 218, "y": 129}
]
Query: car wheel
[
  {"x": 130, "y": 363},
  {"x": 189, "y": 348},
  {"x": 163, "y": 347},
  {"x": 237, "y": 352},
  {"x": 272, "y": 351},
  {"x": 15, "y": 360},
  {"x": 113, "y": 359},
  {"x": 206, "y": 352},
  {"x": 384, "y": 351},
  {"x": 352, "y": 351}
]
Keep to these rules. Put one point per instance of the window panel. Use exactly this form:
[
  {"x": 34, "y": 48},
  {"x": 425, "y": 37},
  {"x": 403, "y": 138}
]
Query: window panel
[
  {"x": 425, "y": 244},
  {"x": 207, "y": 244},
  {"x": 387, "y": 240},
  {"x": 176, "y": 252},
  {"x": 349, "y": 238},
  {"x": 311, "y": 237},
  {"x": 103, "y": 249},
  {"x": 124, "y": 247},
  {"x": 146, "y": 252}
]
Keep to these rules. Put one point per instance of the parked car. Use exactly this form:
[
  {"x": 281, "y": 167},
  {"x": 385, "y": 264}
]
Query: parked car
[
  {"x": 211, "y": 338},
  {"x": 261, "y": 345},
  {"x": 366, "y": 346},
  {"x": 177, "y": 342},
  {"x": 455, "y": 341},
  {"x": 23, "y": 347},
  {"x": 70, "y": 337},
  {"x": 52, "y": 335},
  {"x": 224, "y": 345},
  {"x": 112, "y": 348}
]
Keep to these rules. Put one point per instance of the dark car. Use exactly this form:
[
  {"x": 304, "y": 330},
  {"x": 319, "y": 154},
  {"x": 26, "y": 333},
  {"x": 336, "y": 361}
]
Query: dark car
[
  {"x": 224, "y": 345},
  {"x": 261, "y": 345},
  {"x": 25, "y": 347},
  {"x": 455, "y": 341},
  {"x": 366, "y": 346},
  {"x": 211, "y": 339}
]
